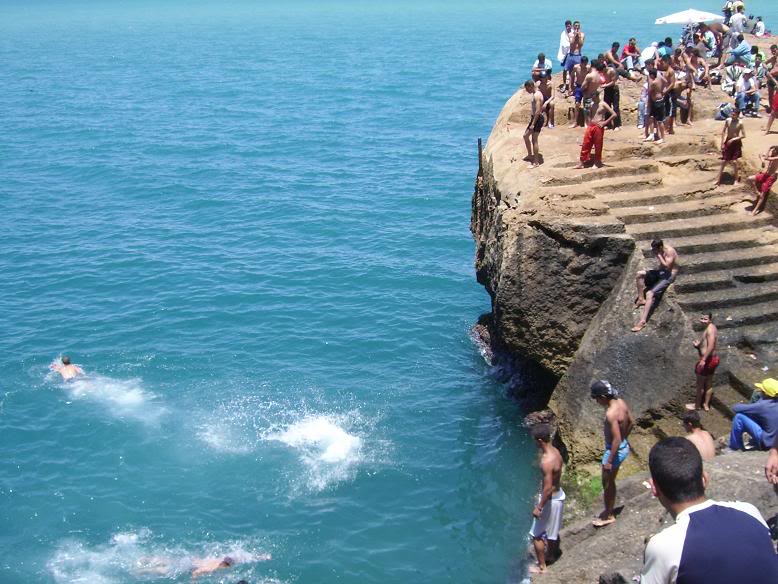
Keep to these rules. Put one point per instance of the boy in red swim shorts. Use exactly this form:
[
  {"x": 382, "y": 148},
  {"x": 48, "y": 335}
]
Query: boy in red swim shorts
[
  {"x": 764, "y": 180},
  {"x": 706, "y": 366},
  {"x": 732, "y": 135}
]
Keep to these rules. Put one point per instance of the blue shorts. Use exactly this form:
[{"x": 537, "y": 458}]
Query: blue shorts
[
  {"x": 578, "y": 93},
  {"x": 621, "y": 455},
  {"x": 571, "y": 61}
]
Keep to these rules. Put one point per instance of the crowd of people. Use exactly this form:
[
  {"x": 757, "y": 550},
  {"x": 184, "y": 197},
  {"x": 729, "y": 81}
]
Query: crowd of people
[
  {"x": 710, "y": 541},
  {"x": 669, "y": 73}
]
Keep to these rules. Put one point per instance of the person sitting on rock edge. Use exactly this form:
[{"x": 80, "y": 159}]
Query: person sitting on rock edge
[
  {"x": 547, "y": 513},
  {"x": 698, "y": 436},
  {"x": 758, "y": 419},
  {"x": 710, "y": 542},
  {"x": 616, "y": 429},
  {"x": 651, "y": 284},
  {"x": 706, "y": 366}
]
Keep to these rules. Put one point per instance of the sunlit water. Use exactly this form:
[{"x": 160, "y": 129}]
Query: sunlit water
[{"x": 249, "y": 224}]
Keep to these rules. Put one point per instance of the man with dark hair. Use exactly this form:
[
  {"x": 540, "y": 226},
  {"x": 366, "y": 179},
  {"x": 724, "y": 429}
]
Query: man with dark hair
[
  {"x": 535, "y": 125},
  {"x": 710, "y": 542},
  {"x": 564, "y": 49},
  {"x": 551, "y": 502},
  {"x": 698, "y": 436},
  {"x": 652, "y": 284},
  {"x": 706, "y": 366},
  {"x": 616, "y": 428},
  {"x": 66, "y": 369}
]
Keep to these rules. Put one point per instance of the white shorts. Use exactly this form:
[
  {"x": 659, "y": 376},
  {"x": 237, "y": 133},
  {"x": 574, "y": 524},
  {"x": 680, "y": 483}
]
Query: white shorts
[{"x": 550, "y": 521}]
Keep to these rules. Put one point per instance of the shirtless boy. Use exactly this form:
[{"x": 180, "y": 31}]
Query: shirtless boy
[
  {"x": 697, "y": 436},
  {"x": 544, "y": 86},
  {"x": 651, "y": 284},
  {"x": 67, "y": 370},
  {"x": 551, "y": 501},
  {"x": 577, "y": 76},
  {"x": 655, "y": 129},
  {"x": 590, "y": 90},
  {"x": 732, "y": 135},
  {"x": 595, "y": 135},
  {"x": 535, "y": 125},
  {"x": 616, "y": 429},
  {"x": 706, "y": 366},
  {"x": 764, "y": 180},
  {"x": 668, "y": 73}
]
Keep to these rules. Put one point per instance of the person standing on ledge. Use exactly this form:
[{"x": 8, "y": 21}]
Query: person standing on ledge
[
  {"x": 732, "y": 135},
  {"x": 573, "y": 57},
  {"x": 653, "y": 283},
  {"x": 616, "y": 429},
  {"x": 551, "y": 502},
  {"x": 594, "y": 136},
  {"x": 711, "y": 542},
  {"x": 764, "y": 180},
  {"x": 698, "y": 436},
  {"x": 564, "y": 49},
  {"x": 706, "y": 366},
  {"x": 535, "y": 125},
  {"x": 67, "y": 370}
]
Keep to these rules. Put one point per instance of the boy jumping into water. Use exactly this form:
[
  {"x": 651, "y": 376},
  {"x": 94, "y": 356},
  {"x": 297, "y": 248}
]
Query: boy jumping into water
[
  {"x": 67, "y": 370},
  {"x": 616, "y": 429},
  {"x": 551, "y": 502}
]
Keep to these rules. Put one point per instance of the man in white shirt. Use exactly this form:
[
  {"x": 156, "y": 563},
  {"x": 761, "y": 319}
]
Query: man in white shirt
[
  {"x": 564, "y": 48},
  {"x": 710, "y": 542},
  {"x": 737, "y": 25},
  {"x": 747, "y": 94}
]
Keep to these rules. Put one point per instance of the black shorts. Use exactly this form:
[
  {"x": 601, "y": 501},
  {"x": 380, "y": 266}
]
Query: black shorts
[
  {"x": 658, "y": 110},
  {"x": 658, "y": 281},
  {"x": 538, "y": 124},
  {"x": 670, "y": 104}
]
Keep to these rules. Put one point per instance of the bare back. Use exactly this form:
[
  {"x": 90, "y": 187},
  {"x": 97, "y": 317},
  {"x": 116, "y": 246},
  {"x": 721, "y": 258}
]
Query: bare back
[
  {"x": 704, "y": 443},
  {"x": 551, "y": 467}
]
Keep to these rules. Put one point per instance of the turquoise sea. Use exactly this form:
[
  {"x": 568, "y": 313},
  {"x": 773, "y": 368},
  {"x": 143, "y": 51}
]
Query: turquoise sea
[{"x": 248, "y": 222}]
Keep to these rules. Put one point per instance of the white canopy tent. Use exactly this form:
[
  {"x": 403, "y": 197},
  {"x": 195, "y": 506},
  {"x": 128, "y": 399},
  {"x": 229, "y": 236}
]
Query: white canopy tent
[{"x": 690, "y": 16}]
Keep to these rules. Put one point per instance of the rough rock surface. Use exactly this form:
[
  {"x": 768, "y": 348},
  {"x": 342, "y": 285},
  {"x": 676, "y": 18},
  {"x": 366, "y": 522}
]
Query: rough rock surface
[
  {"x": 615, "y": 553},
  {"x": 558, "y": 249}
]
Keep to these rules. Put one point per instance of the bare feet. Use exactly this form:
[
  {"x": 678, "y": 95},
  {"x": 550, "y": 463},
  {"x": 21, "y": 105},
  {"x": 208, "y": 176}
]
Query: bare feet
[
  {"x": 537, "y": 569},
  {"x": 599, "y": 522},
  {"x": 598, "y": 164},
  {"x": 660, "y": 141},
  {"x": 691, "y": 407},
  {"x": 639, "y": 302},
  {"x": 638, "y": 327},
  {"x": 579, "y": 167}
]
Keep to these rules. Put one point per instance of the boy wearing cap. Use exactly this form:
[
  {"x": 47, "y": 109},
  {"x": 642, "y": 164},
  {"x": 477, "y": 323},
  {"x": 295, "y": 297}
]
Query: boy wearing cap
[
  {"x": 759, "y": 419},
  {"x": 616, "y": 429},
  {"x": 747, "y": 97}
]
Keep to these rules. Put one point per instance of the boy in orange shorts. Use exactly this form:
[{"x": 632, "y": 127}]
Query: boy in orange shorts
[{"x": 764, "y": 180}]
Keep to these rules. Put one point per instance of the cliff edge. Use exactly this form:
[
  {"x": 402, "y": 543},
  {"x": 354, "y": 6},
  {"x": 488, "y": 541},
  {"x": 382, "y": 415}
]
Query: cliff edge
[{"x": 558, "y": 249}]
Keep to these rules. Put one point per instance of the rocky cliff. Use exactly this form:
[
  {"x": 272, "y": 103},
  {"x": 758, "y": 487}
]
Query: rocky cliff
[{"x": 558, "y": 249}]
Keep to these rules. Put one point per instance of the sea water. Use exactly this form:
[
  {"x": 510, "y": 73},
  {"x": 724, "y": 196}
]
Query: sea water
[{"x": 248, "y": 223}]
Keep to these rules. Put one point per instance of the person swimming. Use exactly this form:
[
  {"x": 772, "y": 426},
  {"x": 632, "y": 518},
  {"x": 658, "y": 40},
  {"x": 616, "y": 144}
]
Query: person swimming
[{"x": 66, "y": 369}]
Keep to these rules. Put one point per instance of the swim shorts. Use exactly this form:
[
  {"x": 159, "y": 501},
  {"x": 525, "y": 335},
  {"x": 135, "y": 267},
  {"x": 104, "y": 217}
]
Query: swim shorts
[
  {"x": 621, "y": 454},
  {"x": 572, "y": 60},
  {"x": 658, "y": 110},
  {"x": 764, "y": 182},
  {"x": 587, "y": 105},
  {"x": 658, "y": 281},
  {"x": 732, "y": 151},
  {"x": 578, "y": 93},
  {"x": 774, "y": 105},
  {"x": 550, "y": 521},
  {"x": 709, "y": 367},
  {"x": 538, "y": 124},
  {"x": 669, "y": 105}
]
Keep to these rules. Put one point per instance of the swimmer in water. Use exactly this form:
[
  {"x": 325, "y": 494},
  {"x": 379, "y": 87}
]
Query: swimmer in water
[
  {"x": 66, "y": 369},
  {"x": 209, "y": 565}
]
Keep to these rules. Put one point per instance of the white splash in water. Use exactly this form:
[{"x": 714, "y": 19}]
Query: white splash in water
[
  {"x": 122, "y": 397},
  {"x": 327, "y": 450},
  {"x": 133, "y": 556}
]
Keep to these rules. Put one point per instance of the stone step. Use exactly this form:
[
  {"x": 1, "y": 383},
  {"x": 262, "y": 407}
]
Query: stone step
[
  {"x": 741, "y": 316},
  {"x": 664, "y": 195},
  {"x": 721, "y": 279},
  {"x": 564, "y": 178},
  {"x": 750, "y": 335},
  {"x": 681, "y": 210},
  {"x": 693, "y": 146},
  {"x": 718, "y": 300},
  {"x": 690, "y": 163},
  {"x": 641, "y": 183},
  {"x": 722, "y": 223},
  {"x": 723, "y": 260},
  {"x": 742, "y": 239}
]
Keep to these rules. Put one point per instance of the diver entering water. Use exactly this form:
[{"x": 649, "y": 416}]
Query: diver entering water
[{"x": 66, "y": 369}]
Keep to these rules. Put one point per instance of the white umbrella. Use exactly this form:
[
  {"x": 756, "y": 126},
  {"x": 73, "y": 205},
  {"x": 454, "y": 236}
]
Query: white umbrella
[{"x": 690, "y": 16}]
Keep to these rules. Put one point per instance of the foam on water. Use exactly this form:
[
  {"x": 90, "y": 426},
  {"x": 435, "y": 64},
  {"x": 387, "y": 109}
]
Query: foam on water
[
  {"x": 122, "y": 397},
  {"x": 138, "y": 556}
]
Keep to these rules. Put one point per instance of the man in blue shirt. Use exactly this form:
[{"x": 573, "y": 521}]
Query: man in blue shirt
[
  {"x": 759, "y": 419},
  {"x": 710, "y": 542}
]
